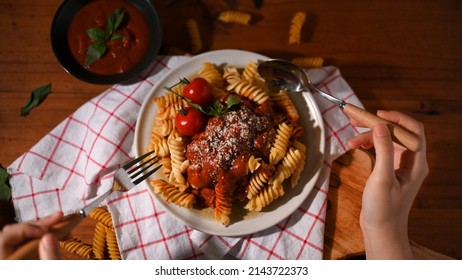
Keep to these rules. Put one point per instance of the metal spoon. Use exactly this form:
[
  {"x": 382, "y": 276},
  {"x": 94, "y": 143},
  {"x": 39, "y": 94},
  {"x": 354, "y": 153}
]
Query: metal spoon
[{"x": 287, "y": 75}]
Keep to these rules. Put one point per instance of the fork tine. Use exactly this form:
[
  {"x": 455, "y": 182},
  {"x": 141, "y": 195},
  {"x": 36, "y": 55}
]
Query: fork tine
[
  {"x": 140, "y": 168},
  {"x": 136, "y": 160},
  {"x": 142, "y": 178}
]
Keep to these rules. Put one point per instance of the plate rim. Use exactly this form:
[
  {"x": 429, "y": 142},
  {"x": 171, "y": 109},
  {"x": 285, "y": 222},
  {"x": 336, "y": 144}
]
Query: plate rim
[{"x": 218, "y": 229}]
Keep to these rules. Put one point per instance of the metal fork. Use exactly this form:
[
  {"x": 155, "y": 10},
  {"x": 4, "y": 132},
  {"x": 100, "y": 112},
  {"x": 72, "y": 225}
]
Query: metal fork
[{"x": 125, "y": 178}]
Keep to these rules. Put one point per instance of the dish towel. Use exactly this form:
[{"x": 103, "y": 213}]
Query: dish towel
[{"x": 75, "y": 163}]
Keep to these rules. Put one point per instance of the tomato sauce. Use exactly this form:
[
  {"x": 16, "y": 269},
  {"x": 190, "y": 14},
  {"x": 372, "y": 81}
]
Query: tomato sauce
[
  {"x": 219, "y": 155},
  {"x": 122, "y": 54}
]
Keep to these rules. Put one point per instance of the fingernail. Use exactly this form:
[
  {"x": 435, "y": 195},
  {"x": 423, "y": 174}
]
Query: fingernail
[{"x": 381, "y": 130}]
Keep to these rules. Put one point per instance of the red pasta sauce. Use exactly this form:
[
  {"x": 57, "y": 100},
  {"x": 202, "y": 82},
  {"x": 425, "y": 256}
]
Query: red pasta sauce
[
  {"x": 219, "y": 155},
  {"x": 122, "y": 54}
]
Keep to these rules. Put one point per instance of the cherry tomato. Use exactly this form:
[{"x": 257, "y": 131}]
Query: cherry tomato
[
  {"x": 199, "y": 91},
  {"x": 190, "y": 121}
]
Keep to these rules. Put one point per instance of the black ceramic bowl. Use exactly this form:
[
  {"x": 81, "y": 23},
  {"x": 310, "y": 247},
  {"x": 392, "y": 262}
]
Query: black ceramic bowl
[{"x": 62, "y": 21}]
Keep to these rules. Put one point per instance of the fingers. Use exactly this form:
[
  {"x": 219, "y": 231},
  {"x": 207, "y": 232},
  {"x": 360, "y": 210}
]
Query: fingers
[
  {"x": 384, "y": 152},
  {"x": 49, "y": 248},
  {"x": 355, "y": 122},
  {"x": 16, "y": 234},
  {"x": 419, "y": 159},
  {"x": 363, "y": 140},
  {"x": 402, "y": 120},
  {"x": 47, "y": 222}
]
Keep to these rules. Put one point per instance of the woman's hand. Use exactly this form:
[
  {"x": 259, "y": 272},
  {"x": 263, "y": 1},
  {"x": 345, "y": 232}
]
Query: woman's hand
[
  {"x": 14, "y": 235},
  {"x": 391, "y": 188}
]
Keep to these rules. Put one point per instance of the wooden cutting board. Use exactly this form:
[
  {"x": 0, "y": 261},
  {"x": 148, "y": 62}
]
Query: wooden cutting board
[{"x": 343, "y": 237}]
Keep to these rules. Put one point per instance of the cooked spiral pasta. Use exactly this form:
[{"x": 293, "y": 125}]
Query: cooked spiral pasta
[
  {"x": 235, "y": 17},
  {"x": 309, "y": 62},
  {"x": 172, "y": 194},
  {"x": 295, "y": 31},
  {"x": 264, "y": 197},
  {"x": 194, "y": 36},
  {"x": 259, "y": 180},
  {"x": 159, "y": 145},
  {"x": 251, "y": 75},
  {"x": 77, "y": 247},
  {"x": 169, "y": 113},
  {"x": 253, "y": 164},
  {"x": 166, "y": 163},
  {"x": 297, "y": 132},
  {"x": 252, "y": 92},
  {"x": 202, "y": 171},
  {"x": 169, "y": 98},
  {"x": 281, "y": 143},
  {"x": 176, "y": 146},
  {"x": 299, "y": 169},
  {"x": 164, "y": 127},
  {"x": 287, "y": 167},
  {"x": 209, "y": 72},
  {"x": 101, "y": 215},
  {"x": 231, "y": 75},
  {"x": 223, "y": 204},
  {"x": 282, "y": 98}
]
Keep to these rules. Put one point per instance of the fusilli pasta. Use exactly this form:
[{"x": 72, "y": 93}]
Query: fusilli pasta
[
  {"x": 309, "y": 62},
  {"x": 295, "y": 31},
  {"x": 194, "y": 36},
  {"x": 235, "y": 17},
  {"x": 265, "y": 172}
]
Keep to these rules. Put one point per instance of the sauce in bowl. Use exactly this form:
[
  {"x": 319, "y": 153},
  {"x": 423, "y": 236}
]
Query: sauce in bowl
[{"x": 121, "y": 54}]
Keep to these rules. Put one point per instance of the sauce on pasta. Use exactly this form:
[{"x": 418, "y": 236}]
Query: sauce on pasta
[
  {"x": 242, "y": 158},
  {"x": 219, "y": 155}
]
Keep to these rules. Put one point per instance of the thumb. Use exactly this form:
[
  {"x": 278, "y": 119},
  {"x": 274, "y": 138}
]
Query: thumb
[
  {"x": 49, "y": 248},
  {"x": 384, "y": 151}
]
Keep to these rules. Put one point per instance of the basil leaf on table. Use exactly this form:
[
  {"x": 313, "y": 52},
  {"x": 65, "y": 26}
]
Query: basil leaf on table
[
  {"x": 5, "y": 188},
  {"x": 37, "y": 96}
]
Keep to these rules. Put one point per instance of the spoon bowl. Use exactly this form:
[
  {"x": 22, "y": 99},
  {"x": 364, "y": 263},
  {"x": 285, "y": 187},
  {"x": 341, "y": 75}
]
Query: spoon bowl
[
  {"x": 282, "y": 74},
  {"x": 286, "y": 75}
]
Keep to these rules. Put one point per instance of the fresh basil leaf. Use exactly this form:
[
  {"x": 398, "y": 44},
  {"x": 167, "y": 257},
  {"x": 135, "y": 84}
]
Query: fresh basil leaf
[
  {"x": 95, "y": 51},
  {"x": 116, "y": 36},
  {"x": 119, "y": 18},
  {"x": 100, "y": 37},
  {"x": 96, "y": 34},
  {"x": 37, "y": 96},
  {"x": 114, "y": 20},
  {"x": 233, "y": 99},
  {"x": 205, "y": 110},
  {"x": 5, "y": 188}
]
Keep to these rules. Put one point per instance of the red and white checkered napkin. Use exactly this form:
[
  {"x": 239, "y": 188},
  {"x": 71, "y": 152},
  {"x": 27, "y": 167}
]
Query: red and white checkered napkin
[{"x": 76, "y": 161}]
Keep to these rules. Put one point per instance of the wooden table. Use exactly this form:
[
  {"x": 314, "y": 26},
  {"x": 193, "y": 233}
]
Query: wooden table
[{"x": 397, "y": 55}]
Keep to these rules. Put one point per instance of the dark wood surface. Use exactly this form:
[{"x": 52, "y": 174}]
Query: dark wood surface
[{"x": 397, "y": 55}]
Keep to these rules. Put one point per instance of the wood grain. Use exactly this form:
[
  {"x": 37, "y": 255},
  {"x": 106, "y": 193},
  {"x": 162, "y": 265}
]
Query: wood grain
[{"x": 396, "y": 55}]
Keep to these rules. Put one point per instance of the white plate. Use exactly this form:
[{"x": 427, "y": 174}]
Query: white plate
[{"x": 313, "y": 138}]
